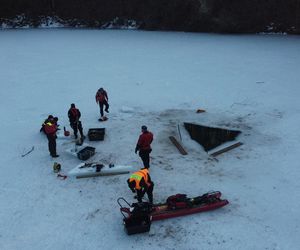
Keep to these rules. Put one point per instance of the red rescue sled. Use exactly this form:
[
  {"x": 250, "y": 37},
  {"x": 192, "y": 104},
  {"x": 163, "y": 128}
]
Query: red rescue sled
[{"x": 138, "y": 216}]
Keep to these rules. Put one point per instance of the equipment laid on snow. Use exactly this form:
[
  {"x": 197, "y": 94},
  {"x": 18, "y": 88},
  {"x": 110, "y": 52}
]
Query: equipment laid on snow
[
  {"x": 56, "y": 167},
  {"x": 62, "y": 176},
  {"x": 85, "y": 170},
  {"x": 96, "y": 134},
  {"x": 82, "y": 152},
  {"x": 138, "y": 219},
  {"x": 62, "y": 135},
  {"x": 28, "y": 152},
  {"x": 140, "y": 215},
  {"x": 85, "y": 153},
  {"x": 66, "y": 132}
]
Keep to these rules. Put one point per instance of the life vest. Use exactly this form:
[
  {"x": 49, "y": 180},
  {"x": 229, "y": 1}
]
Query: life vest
[
  {"x": 145, "y": 140},
  {"x": 74, "y": 112},
  {"x": 101, "y": 96},
  {"x": 50, "y": 128},
  {"x": 137, "y": 177}
]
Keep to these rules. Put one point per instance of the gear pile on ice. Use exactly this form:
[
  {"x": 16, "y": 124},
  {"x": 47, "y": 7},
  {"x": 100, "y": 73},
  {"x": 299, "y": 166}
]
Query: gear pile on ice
[{"x": 138, "y": 216}]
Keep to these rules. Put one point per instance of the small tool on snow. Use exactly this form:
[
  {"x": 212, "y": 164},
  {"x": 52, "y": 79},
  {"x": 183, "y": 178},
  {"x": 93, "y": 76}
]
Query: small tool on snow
[
  {"x": 27, "y": 153},
  {"x": 62, "y": 176}
]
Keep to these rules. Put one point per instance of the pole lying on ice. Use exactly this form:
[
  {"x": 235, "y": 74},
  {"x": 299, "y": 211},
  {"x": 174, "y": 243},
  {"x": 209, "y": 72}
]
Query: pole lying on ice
[
  {"x": 178, "y": 145},
  {"x": 27, "y": 153},
  {"x": 226, "y": 149}
]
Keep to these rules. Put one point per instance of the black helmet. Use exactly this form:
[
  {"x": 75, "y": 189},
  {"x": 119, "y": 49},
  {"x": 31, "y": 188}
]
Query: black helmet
[{"x": 144, "y": 128}]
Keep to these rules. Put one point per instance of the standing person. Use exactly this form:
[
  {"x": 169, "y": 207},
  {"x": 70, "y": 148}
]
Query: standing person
[
  {"x": 144, "y": 146},
  {"x": 44, "y": 123},
  {"x": 50, "y": 129},
  {"x": 74, "y": 116},
  {"x": 141, "y": 183},
  {"x": 102, "y": 100}
]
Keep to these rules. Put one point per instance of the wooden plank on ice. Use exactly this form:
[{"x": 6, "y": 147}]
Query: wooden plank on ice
[
  {"x": 226, "y": 149},
  {"x": 178, "y": 145}
]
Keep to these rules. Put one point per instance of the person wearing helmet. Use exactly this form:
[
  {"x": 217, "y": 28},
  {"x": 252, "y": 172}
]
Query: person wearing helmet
[
  {"x": 44, "y": 123},
  {"x": 141, "y": 183},
  {"x": 74, "y": 116},
  {"x": 102, "y": 100},
  {"x": 50, "y": 130},
  {"x": 143, "y": 146}
]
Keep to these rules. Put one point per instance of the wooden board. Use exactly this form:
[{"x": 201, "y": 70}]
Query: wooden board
[
  {"x": 226, "y": 149},
  {"x": 178, "y": 145}
]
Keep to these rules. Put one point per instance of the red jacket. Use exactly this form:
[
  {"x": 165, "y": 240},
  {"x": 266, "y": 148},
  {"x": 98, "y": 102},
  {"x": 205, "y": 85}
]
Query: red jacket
[
  {"x": 145, "y": 140},
  {"x": 101, "y": 96},
  {"x": 50, "y": 128},
  {"x": 74, "y": 115}
]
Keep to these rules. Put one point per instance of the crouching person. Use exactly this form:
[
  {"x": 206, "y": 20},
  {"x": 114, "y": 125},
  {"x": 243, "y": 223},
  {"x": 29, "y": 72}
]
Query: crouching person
[{"x": 141, "y": 183}]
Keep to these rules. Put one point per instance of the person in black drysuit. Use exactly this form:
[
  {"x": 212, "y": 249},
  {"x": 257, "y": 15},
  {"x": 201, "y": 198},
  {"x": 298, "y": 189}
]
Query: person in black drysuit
[
  {"x": 74, "y": 116},
  {"x": 102, "y": 100},
  {"x": 50, "y": 129}
]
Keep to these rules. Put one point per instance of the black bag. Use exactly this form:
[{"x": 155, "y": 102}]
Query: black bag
[
  {"x": 177, "y": 201},
  {"x": 140, "y": 219},
  {"x": 86, "y": 153}
]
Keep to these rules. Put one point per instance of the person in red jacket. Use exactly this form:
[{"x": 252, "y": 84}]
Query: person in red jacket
[
  {"x": 44, "y": 123},
  {"x": 102, "y": 100},
  {"x": 74, "y": 116},
  {"x": 144, "y": 146},
  {"x": 50, "y": 130}
]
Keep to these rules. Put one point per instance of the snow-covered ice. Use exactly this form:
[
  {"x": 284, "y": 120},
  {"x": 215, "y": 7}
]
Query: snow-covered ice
[{"x": 246, "y": 82}]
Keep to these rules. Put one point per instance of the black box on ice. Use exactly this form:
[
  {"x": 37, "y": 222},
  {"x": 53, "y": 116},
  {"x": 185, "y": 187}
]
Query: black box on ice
[
  {"x": 86, "y": 153},
  {"x": 137, "y": 224},
  {"x": 96, "y": 134}
]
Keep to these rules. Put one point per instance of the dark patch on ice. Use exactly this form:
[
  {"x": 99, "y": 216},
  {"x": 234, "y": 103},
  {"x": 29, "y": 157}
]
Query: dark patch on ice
[{"x": 210, "y": 137}]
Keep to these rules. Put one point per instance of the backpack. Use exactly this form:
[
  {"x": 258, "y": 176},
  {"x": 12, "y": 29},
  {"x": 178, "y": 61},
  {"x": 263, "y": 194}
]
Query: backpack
[{"x": 177, "y": 201}]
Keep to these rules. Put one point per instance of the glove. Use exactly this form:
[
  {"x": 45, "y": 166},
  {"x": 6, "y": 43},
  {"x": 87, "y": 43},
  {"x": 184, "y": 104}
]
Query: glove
[
  {"x": 136, "y": 150},
  {"x": 133, "y": 191}
]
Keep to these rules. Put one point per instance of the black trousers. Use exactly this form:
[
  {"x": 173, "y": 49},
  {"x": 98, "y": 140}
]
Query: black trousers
[
  {"x": 101, "y": 104},
  {"x": 145, "y": 156},
  {"x": 52, "y": 144},
  {"x": 77, "y": 126},
  {"x": 149, "y": 191}
]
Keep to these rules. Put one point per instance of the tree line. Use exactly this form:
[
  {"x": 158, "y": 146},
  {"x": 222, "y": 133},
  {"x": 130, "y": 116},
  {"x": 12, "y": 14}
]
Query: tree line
[{"x": 233, "y": 16}]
